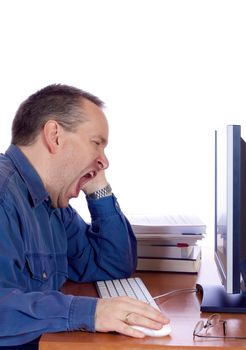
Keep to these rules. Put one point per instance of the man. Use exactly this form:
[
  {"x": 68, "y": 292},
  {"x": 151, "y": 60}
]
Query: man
[{"x": 59, "y": 135}]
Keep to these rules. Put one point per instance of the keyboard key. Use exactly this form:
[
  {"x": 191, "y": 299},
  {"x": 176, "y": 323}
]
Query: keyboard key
[{"x": 131, "y": 287}]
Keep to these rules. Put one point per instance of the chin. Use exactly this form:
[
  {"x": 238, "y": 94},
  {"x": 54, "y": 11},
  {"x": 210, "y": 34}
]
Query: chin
[
  {"x": 60, "y": 204},
  {"x": 62, "y": 201},
  {"x": 63, "y": 205}
]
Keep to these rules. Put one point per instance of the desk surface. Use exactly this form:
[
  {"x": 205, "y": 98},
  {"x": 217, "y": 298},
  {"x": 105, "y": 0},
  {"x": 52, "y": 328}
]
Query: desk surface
[{"x": 183, "y": 311}]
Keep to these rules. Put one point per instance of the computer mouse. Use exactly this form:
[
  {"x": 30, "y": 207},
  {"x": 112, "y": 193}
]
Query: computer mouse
[{"x": 165, "y": 330}]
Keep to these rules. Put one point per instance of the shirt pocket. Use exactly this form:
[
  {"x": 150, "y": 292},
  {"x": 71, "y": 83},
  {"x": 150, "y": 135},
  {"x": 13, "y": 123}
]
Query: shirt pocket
[{"x": 47, "y": 271}]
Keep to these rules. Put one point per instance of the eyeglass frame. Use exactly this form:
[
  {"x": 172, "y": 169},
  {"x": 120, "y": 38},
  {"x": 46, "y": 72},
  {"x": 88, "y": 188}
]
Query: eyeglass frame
[{"x": 212, "y": 321}]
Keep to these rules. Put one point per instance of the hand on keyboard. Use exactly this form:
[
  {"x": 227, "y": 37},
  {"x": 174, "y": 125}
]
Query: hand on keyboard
[{"x": 122, "y": 314}]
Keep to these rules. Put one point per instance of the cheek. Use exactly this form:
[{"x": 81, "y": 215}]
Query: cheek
[{"x": 76, "y": 160}]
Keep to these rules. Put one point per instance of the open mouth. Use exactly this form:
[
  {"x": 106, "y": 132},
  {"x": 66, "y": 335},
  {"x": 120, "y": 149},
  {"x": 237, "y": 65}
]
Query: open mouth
[
  {"x": 84, "y": 179},
  {"x": 89, "y": 176}
]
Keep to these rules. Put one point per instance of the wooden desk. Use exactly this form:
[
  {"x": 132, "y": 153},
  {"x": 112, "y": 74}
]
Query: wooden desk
[{"x": 183, "y": 311}]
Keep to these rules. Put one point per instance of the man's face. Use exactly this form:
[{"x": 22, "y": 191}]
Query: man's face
[{"x": 81, "y": 156}]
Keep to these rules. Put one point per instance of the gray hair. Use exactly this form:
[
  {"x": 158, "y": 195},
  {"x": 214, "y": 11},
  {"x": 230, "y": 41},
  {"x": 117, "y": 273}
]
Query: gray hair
[{"x": 58, "y": 102}]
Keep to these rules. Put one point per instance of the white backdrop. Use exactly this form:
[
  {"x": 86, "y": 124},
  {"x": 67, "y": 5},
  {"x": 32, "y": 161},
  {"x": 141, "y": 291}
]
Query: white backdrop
[{"x": 169, "y": 71}]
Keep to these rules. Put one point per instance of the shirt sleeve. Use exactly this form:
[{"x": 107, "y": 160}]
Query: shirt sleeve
[
  {"x": 106, "y": 248},
  {"x": 26, "y": 314}
]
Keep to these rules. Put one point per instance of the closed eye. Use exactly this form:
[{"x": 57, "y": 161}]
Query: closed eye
[{"x": 97, "y": 142}]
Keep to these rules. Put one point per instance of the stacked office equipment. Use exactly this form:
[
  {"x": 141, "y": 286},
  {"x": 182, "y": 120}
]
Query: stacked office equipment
[{"x": 168, "y": 243}]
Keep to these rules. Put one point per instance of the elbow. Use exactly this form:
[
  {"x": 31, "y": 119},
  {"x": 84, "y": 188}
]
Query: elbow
[{"x": 129, "y": 268}]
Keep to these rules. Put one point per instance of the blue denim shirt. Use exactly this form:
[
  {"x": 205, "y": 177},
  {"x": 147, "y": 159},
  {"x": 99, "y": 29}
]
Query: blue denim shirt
[{"x": 41, "y": 247}]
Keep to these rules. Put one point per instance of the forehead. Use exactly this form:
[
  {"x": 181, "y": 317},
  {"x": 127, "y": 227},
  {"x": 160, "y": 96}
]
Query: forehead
[
  {"x": 95, "y": 119},
  {"x": 90, "y": 109}
]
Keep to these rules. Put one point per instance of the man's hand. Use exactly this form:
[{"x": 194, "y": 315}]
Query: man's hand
[
  {"x": 95, "y": 184},
  {"x": 117, "y": 314}
]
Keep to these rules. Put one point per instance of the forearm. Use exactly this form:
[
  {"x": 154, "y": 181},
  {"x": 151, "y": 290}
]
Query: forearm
[
  {"x": 28, "y": 315},
  {"x": 117, "y": 244},
  {"x": 106, "y": 248}
]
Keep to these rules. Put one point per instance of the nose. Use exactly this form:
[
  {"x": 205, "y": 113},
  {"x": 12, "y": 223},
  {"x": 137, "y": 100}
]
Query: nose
[{"x": 102, "y": 162}]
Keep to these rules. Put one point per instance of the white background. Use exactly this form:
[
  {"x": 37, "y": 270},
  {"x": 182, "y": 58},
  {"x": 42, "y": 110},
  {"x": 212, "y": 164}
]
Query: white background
[{"x": 169, "y": 72}]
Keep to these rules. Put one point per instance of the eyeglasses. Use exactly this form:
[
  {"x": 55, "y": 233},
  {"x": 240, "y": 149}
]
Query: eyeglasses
[{"x": 213, "y": 321}]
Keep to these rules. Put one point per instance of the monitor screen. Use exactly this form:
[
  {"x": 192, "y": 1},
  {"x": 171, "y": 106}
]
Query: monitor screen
[{"x": 230, "y": 223}]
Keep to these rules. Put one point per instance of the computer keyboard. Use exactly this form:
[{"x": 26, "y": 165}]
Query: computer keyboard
[{"x": 133, "y": 287}]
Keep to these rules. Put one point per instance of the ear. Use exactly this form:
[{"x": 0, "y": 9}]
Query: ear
[{"x": 52, "y": 135}]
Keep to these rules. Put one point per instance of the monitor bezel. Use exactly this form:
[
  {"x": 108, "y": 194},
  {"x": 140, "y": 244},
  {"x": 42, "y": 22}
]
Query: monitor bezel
[{"x": 230, "y": 273}]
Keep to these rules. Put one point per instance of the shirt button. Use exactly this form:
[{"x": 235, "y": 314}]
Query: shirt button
[{"x": 44, "y": 275}]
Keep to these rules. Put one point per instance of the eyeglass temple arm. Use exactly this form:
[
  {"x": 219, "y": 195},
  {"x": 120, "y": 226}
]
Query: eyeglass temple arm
[{"x": 224, "y": 327}]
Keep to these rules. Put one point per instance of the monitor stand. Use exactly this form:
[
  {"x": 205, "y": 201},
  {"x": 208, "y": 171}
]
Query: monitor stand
[{"x": 215, "y": 299}]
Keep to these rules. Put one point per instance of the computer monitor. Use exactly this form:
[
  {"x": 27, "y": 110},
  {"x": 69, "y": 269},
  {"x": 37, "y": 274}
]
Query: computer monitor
[{"x": 230, "y": 223}]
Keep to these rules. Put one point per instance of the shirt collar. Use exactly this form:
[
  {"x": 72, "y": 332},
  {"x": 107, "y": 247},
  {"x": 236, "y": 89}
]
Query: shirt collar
[{"x": 29, "y": 175}]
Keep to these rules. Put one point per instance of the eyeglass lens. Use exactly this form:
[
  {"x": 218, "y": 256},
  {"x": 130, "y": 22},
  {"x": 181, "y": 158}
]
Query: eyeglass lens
[{"x": 212, "y": 321}]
